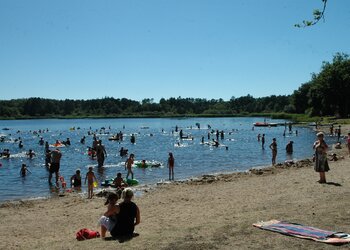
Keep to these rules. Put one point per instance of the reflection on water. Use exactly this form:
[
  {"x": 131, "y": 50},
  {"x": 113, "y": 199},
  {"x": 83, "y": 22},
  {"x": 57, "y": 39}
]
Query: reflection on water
[{"x": 238, "y": 150}]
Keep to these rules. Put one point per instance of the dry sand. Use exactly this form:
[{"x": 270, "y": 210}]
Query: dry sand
[{"x": 211, "y": 213}]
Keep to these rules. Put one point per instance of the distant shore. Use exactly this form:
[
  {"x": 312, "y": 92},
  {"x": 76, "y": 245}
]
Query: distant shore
[{"x": 215, "y": 212}]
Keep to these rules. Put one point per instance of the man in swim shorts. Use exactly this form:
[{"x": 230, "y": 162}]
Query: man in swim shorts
[{"x": 55, "y": 164}]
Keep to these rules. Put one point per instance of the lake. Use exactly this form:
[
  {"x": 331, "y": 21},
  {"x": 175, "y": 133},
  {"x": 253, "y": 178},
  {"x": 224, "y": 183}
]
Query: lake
[{"x": 239, "y": 150}]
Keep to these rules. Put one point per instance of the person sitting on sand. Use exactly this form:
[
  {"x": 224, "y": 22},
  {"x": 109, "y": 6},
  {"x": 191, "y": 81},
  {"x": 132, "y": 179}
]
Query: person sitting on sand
[
  {"x": 333, "y": 157},
  {"x": 109, "y": 218},
  {"x": 119, "y": 182},
  {"x": 128, "y": 216},
  {"x": 75, "y": 180}
]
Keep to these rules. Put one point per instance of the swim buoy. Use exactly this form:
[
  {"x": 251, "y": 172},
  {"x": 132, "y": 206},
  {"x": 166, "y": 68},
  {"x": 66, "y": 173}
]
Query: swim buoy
[{"x": 132, "y": 182}]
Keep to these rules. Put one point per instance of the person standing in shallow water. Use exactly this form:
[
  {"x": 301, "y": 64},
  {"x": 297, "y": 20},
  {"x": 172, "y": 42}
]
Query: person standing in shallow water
[
  {"x": 273, "y": 147},
  {"x": 263, "y": 141},
  {"x": 55, "y": 164},
  {"x": 171, "y": 163},
  {"x": 321, "y": 163},
  {"x": 100, "y": 153}
]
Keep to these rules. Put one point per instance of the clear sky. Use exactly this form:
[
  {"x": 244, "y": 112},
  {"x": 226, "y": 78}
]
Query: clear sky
[{"x": 85, "y": 49}]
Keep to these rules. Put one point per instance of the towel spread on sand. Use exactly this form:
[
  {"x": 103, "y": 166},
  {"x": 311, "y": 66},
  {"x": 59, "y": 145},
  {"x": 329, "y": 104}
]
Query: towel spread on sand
[{"x": 305, "y": 232}]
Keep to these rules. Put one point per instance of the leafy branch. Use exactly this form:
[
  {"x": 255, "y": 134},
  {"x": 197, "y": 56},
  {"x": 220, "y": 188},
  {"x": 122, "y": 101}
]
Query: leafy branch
[{"x": 318, "y": 15}]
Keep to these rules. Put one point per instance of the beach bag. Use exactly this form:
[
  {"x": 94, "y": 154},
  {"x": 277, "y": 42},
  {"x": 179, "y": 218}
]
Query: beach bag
[{"x": 85, "y": 234}]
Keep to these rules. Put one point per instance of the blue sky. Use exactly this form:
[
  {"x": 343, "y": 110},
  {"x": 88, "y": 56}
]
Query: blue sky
[{"x": 84, "y": 49}]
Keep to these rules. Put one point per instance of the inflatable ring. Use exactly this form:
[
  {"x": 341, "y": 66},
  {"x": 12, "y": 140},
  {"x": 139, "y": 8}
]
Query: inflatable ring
[
  {"x": 140, "y": 165},
  {"x": 132, "y": 182}
]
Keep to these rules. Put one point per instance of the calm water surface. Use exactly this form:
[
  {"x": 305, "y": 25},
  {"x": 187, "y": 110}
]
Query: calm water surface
[{"x": 154, "y": 139}]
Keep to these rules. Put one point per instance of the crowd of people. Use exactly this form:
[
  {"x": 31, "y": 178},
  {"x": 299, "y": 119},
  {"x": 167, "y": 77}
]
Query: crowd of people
[{"x": 121, "y": 218}]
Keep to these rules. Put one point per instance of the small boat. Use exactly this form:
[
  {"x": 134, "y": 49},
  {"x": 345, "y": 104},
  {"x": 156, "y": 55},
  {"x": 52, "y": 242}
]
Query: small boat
[{"x": 265, "y": 124}]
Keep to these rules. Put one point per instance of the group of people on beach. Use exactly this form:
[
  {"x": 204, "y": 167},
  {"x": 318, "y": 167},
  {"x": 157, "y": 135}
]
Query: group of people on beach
[{"x": 120, "y": 219}]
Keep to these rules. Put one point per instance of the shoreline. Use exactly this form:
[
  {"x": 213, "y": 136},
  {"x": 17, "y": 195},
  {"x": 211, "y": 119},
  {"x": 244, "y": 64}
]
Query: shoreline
[
  {"x": 212, "y": 212},
  {"x": 144, "y": 188}
]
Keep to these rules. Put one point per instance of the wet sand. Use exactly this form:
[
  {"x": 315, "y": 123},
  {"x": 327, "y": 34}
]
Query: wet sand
[{"x": 213, "y": 212}]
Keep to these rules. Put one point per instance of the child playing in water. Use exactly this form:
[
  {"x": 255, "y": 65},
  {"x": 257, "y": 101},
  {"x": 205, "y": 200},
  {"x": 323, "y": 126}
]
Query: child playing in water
[
  {"x": 90, "y": 176},
  {"x": 119, "y": 182},
  {"x": 128, "y": 164},
  {"x": 24, "y": 170},
  {"x": 75, "y": 180},
  {"x": 30, "y": 154}
]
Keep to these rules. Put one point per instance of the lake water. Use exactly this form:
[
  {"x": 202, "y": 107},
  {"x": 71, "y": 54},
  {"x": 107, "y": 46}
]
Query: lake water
[{"x": 192, "y": 158}]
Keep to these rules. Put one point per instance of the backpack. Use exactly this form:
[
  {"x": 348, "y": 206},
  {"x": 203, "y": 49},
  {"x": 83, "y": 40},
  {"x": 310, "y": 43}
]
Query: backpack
[{"x": 85, "y": 234}]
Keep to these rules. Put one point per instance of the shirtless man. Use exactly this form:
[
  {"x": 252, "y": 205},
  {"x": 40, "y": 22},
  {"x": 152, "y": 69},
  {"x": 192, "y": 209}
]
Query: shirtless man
[
  {"x": 55, "y": 164},
  {"x": 100, "y": 153}
]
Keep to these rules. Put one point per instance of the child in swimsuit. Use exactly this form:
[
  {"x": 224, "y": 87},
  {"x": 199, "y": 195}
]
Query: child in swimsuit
[{"x": 90, "y": 176}]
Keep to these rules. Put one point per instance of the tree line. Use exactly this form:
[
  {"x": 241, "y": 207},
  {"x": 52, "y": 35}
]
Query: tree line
[{"x": 327, "y": 93}]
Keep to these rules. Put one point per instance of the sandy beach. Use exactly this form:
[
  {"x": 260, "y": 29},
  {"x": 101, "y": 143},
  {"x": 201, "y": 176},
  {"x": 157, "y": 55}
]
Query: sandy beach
[{"x": 213, "y": 212}]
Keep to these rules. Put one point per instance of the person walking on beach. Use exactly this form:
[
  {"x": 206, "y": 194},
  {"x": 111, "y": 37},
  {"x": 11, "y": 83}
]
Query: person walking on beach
[
  {"x": 128, "y": 164},
  {"x": 273, "y": 147},
  {"x": 90, "y": 177},
  {"x": 171, "y": 163},
  {"x": 100, "y": 153},
  {"x": 55, "y": 164},
  {"x": 321, "y": 163}
]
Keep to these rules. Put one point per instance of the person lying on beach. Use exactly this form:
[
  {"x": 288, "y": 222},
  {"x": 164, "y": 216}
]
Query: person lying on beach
[{"x": 109, "y": 218}]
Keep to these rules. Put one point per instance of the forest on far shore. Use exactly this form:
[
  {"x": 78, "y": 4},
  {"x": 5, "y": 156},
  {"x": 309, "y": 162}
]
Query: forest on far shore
[{"x": 326, "y": 94}]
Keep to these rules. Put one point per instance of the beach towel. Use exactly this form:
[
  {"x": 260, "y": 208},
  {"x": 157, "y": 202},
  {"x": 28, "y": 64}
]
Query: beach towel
[
  {"x": 85, "y": 234},
  {"x": 305, "y": 232}
]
